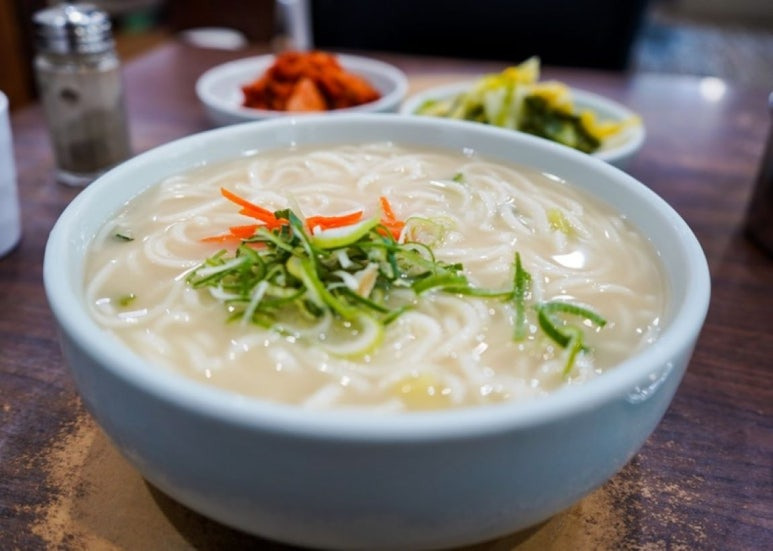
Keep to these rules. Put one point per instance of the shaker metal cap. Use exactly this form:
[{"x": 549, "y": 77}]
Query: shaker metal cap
[{"x": 73, "y": 29}]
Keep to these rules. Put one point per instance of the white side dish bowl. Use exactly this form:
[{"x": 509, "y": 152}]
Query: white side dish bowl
[
  {"x": 219, "y": 89},
  {"x": 617, "y": 150},
  {"x": 366, "y": 480}
]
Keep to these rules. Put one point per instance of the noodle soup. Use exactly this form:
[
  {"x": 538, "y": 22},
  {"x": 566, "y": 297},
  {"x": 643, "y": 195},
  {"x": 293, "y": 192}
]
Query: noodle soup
[{"x": 486, "y": 340}]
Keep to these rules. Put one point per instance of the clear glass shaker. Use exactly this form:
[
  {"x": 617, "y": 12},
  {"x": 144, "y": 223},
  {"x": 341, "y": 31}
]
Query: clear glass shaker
[{"x": 81, "y": 88}]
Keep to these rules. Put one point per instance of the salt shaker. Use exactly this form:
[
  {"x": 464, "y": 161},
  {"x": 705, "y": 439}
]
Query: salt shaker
[
  {"x": 81, "y": 87},
  {"x": 10, "y": 216},
  {"x": 759, "y": 218},
  {"x": 293, "y": 19}
]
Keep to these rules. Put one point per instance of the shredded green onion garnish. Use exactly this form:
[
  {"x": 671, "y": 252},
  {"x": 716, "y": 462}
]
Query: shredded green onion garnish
[
  {"x": 566, "y": 336},
  {"x": 521, "y": 288},
  {"x": 352, "y": 282},
  {"x": 291, "y": 279}
]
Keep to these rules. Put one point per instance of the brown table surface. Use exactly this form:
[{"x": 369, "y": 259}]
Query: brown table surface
[{"x": 704, "y": 479}]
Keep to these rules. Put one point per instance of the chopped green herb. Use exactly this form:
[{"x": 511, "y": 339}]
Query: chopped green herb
[
  {"x": 459, "y": 177},
  {"x": 566, "y": 336},
  {"x": 126, "y": 300},
  {"x": 351, "y": 281},
  {"x": 428, "y": 231},
  {"x": 357, "y": 275},
  {"x": 521, "y": 288},
  {"x": 123, "y": 236},
  {"x": 559, "y": 222}
]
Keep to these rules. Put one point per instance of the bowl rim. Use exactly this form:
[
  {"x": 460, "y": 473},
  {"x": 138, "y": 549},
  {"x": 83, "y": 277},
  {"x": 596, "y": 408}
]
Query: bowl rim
[
  {"x": 255, "y": 65},
  {"x": 635, "y": 138},
  {"x": 462, "y": 423}
]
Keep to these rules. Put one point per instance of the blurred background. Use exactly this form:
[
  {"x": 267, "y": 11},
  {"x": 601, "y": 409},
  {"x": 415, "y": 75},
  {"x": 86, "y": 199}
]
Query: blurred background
[{"x": 728, "y": 39}]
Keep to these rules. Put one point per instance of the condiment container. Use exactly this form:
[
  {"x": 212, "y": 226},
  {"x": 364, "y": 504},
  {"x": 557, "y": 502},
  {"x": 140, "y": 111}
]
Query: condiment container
[
  {"x": 759, "y": 219},
  {"x": 81, "y": 87},
  {"x": 10, "y": 219},
  {"x": 294, "y": 25}
]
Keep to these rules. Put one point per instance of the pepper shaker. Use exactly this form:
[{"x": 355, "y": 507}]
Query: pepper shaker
[{"x": 81, "y": 88}]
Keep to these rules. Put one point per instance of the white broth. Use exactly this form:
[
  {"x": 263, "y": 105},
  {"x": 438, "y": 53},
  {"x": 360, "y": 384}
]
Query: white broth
[{"x": 447, "y": 349}]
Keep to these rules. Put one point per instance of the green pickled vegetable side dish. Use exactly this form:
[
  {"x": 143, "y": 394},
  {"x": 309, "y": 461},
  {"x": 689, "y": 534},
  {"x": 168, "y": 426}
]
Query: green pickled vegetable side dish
[{"x": 516, "y": 99}]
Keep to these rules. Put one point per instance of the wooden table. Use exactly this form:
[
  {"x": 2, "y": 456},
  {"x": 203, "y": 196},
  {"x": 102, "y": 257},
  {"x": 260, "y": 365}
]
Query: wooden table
[{"x": 704, "y": 480}]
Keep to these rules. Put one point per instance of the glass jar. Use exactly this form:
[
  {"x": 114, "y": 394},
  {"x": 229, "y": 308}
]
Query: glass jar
[{"x": 81, "y": 88}]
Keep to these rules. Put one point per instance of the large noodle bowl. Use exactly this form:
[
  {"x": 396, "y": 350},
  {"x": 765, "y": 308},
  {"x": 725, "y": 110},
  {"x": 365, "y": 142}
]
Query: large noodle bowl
[{"x": 446, "y": 349}]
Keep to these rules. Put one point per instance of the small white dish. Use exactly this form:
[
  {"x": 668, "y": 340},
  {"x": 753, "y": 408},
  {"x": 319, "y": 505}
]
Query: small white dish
[
  {"x": 216, "y": 38},
  {"x": 219, "y": 89},
  {"x": 617, "y": 150}
]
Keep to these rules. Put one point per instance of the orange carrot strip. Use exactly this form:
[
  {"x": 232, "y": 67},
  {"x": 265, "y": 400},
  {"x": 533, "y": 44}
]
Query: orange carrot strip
[
  {"x": 394, "y": 227},
  {"x": 232, "y": 239},
  {"x": 270, "y": 222},
  {"x": 250, "y": 209},
  {"x": 389, "y": 220},
  {"x": 237, "y": 234},
  {"x": 225, "y": 238},
  {"x": 327, "y": 222},
  {"x": 243, "y": 232},
  {"x": 387, "y": 208}
]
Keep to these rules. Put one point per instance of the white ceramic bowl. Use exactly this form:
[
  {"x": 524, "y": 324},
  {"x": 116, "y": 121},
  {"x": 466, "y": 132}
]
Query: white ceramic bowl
[
  {"x": 617, "y": 150},
  {"x": 219, "y": 89},
  {"x": 369, "y": 481}
]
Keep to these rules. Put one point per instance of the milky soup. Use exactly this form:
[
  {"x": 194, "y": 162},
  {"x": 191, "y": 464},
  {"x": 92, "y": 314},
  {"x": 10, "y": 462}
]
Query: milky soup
[{"x": 379, "y": 276}]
